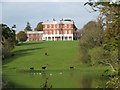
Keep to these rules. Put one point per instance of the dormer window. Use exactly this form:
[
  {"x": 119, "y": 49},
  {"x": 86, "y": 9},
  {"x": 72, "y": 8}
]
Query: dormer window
[{"x": 55, "y": 25}]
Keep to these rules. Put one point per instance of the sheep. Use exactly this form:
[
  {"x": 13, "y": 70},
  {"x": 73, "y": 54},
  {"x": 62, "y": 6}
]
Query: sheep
[
  {"x": 71, "y": 67},
  {"x": 32, "y": 68},
  {"x": 46, "y": 54},
  {"x": 43, "y": 67}
]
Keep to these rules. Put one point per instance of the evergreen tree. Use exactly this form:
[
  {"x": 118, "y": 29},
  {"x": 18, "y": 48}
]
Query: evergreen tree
[{"x": 28, "y": 27}]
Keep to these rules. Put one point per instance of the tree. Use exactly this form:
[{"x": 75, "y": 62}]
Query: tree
[
  {"x": 110, "y": 13},
  {"x": 28, "y": 27},
  {"x": 91, "y": 36},
  {"x": 39, "y": 27},
  {"x": 8, "y": 39},
  {"x": 21, "y": 36}
]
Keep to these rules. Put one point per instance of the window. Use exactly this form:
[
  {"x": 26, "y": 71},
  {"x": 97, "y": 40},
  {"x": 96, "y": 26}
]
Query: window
[
  {"x": 29, "y": 34},
  {"x": 61, "y": 32},
  {"x": 52, "y": 25},
  {"x": 65, "y": 38},
  {"x": 71, "y": 25},
  {"x": 70, "y": 38},
  {"x": 55, "y": 31},
  {"x": 47, "y": 26},
  {"x": 60, "y": 26},
  {"x": 65, "y": 26},
  {"x": 55, "y": 25}
]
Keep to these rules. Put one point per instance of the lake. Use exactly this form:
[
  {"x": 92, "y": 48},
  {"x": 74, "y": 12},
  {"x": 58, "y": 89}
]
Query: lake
[{"x": 67, "y": 78}]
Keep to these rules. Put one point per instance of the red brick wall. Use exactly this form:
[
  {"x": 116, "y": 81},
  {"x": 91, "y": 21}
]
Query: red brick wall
[
  {"x": 52, "y": 27},
  {"x": 34, "y": 37}
]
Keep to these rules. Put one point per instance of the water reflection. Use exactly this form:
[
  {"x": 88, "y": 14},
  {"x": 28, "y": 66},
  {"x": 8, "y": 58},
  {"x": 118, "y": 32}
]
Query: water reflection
[
  {"x": 86, "y": 82},
  {"x": 71, "y": 72},
  {"x": 71, "y": 78}
]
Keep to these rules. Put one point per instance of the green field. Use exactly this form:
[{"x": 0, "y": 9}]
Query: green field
[{"x": 61, "y": 55}]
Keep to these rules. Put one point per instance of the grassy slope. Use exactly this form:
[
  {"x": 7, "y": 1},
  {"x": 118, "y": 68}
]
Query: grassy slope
[{"x": 61, "y": 55}]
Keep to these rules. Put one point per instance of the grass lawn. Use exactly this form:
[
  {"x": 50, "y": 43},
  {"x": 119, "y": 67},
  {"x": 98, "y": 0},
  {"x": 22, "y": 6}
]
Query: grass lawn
[{"x": 61, "y": 55}]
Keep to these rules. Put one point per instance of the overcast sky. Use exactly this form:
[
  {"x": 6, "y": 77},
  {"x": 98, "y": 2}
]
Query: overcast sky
[{"x": 20, "y": 12}]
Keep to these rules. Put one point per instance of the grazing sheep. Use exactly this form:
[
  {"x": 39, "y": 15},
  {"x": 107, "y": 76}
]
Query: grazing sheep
[
  {"x": 32, "y": 68},
  {"x": 43, "y": 67},
  {"x": 46, "y": 54},
  {"x": 71, "y": 67}
]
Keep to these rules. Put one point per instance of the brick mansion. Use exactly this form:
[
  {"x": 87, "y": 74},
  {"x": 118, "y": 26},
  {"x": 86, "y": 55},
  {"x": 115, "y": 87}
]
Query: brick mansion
[{"x": 54, "y": 30}]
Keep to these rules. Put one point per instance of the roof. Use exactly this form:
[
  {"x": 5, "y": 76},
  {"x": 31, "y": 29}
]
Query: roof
[
  {"x": 33, "y": 32},
  {"x": 65, "y": 21}
]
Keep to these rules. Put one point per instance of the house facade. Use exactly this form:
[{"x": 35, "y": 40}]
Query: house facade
[
  {"x": 58, "y": 30},
  {"x": 53, "y": 30},
  {"x": 34, "y": 35}
]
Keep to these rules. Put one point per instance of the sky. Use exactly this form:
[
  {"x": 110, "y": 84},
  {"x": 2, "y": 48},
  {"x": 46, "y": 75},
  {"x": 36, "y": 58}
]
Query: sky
[
  {"x": 19, "y": 13},
  {"x": 45, "y": 0}
]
